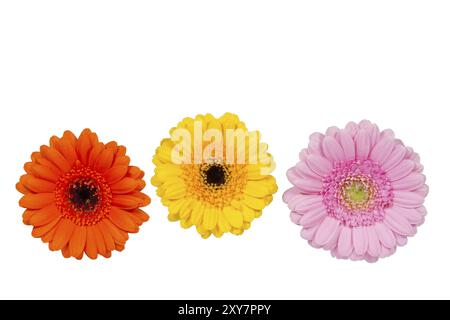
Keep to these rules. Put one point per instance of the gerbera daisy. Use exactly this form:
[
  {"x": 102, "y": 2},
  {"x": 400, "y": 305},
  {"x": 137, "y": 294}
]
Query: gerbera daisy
[
  {"x": 358, "y": 192},
  {"x": 214, "y": 174},
  {"x": 82, "y": 196}
]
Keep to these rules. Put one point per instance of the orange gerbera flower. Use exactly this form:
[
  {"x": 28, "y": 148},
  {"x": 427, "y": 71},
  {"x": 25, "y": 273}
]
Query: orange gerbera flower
[{"x": 82, "y": 196}]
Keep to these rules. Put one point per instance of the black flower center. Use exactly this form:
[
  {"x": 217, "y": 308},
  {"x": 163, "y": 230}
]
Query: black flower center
[
  {"x": 215, "y": 175},
  {"x": 84, "y": 195}
]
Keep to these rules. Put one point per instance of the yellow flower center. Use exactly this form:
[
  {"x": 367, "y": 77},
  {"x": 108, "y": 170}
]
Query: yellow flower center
[{"x": 215, "y": 183}]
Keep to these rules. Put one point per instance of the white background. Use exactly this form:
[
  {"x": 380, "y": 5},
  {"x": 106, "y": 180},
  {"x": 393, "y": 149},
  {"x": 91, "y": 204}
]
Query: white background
[{"x": 130, "y": 70}]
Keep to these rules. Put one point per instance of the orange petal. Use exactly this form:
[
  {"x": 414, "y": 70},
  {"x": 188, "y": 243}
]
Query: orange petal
[
  {"x": 121, "y": 151},
  {"x": 66, "y": 252},
  {"x": 69, "y": 136},
  {"x": 144, "y": 199},
  {"x": 56, "y": 158},
  {"x": 134, "y": 172},
  {"x": 44, "y": 172},
  {"x": 117, "y": 234},
  {"x": 122, "y": 161},
  {"x": 21, "y": 188},
  {"x": 37, "y": 201},
  {"x": 135, "y": 219},
  {"x": 125, "y": 201},
  {"x": 120, "y": 247},
  {"x": 26, "y": 216},
  {"x": 93, "y": 138},
  {"x": 124, "y": 186},
  {"x": 141, "y": 185},
  {"x": 91, "y": 246},
  {"x": 112, "y": 145},
  {"x": 47, "y": 163},
  {"x": 115, "y": 174},
  {"x": 144, "y": 217},
  {"x": 41, "y": 231},
  {"x": 48, "y": 237},
  {"x": 68, "y": 151},
  {"x": 80, "y": 256},
  {"x": 37, "y": 185},
  {"x": 107, "y": 237},
  {"x": 63, "y": 234},
  {"x": 45, "y": 216},
  {"x": 95, "y": 152},
  {"x": 99, "y": 240},
  {"x": 123, "y": 220},
  {"x": 84, "y": 146},
  {"x": 27, "y": 167},
  {"x": 78, "y": 241},
  {"x": 104, "y": 161}
]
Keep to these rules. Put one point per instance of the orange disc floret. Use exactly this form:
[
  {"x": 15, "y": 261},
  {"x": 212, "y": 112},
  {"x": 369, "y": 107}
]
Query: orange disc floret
[{"x": 82, "y": 196}]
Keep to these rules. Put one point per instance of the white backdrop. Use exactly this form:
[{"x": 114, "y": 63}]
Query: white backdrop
[{"x": 130, "y": 70}]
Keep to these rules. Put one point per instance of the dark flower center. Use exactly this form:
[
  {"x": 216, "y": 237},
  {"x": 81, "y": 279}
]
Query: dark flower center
[
  {"x": 84, "y": 195},
  {"x": 215, "y": 175}
]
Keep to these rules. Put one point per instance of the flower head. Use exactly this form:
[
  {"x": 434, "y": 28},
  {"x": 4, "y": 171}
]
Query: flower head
[
  {"x": 214, "y": 174},
  {"x": 358, "y": 192},
  {"x": 82, "y": 196}
]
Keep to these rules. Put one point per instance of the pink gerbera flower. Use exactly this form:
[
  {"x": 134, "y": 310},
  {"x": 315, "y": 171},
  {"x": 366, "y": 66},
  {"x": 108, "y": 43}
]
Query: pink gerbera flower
[{"x": 358, "y": 192}]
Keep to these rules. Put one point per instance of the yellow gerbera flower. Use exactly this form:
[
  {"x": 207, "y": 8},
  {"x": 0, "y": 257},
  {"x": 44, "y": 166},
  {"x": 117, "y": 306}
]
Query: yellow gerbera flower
[{"x": 214, "y": 174}]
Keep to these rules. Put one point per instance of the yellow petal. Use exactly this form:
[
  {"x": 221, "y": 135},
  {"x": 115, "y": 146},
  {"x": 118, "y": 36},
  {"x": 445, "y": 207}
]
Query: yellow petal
[
  {"x": 210, "y": 218},
  {"x": 254, "y": 203},
  {"x": 233, "y": 216},
  {"x": 256, "y": 189}
]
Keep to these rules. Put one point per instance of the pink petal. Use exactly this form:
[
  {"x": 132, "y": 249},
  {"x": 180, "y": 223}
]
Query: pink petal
[
  {"x": 418, "y": 168},
  {"x": 290, "y": 193},
  {"x": 414, "y": 216},
  {"x": 374, "y": 134},
  {"x": 387, "y": 252},
  {"x": 319, "y": 165},
  {"x": 356, "y": 257},
  {"x": 403, "y": 169},
  {"x": 423, "y": 191},
  {"x": 385, "y": 235},
  {"x": 371, "y": 259},
  {"x": 313, "y": 217},
  {"x": 397, "y": 223},
  {"x": 362, "y": 143},
  {"x": 422, "y": 210},
  {"x": 303, "y": 154},
  {"x": 352, "y": 129},
  {"x": 315, "y": 143},
  {"x": 374, "y": 243},
  {"x": 382, "y": 150},
  {"x": 397, "y": 155},
  {"x": 348, "y": 146},
  {"x": 345, "y": 246},
  {"x": 308, "y": 233},
  {"x": 303, "y": 203},
  {"x": 303, "y": 170},
  {"x": 366, "y": 124},
  {"x": 410, "y": 182},
  {"x": 309, "y": 186},
  {"x": 332, "y": 244},
  {"x": 332, "y": 149},
  {"x": 408, "y": 199},
  {"x": 388, "y": 133},
  {"x": 295, "y": 217},
  {"x": 401, "y": 240},
  {"x": 360, "y": 240},
  {"x": 332, "y": 131},
  {"x": 293, "y": 176},
  {"x": 314, "y": 245},
  {"x": 326, "y": 231}
]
